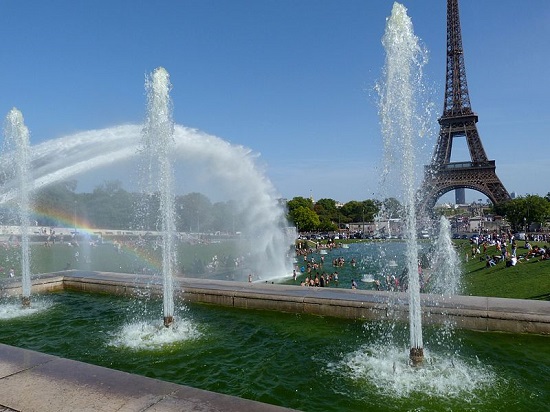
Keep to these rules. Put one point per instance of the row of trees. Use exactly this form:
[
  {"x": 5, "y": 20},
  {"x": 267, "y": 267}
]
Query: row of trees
[
  {"x": 110, "y": 206},
  {"x": 523, "y": 212},
  {"x": 324, "y": 215}
]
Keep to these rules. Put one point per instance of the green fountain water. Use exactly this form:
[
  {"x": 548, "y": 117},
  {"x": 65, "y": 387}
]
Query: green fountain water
[{"x": 303, "y": 362}]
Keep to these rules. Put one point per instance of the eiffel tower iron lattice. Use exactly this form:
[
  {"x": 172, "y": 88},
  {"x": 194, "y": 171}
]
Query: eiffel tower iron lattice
[{"x": 458, "y": 120}]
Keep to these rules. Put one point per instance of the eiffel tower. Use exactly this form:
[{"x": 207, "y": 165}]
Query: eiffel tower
[{"x": 458, "y": 120}]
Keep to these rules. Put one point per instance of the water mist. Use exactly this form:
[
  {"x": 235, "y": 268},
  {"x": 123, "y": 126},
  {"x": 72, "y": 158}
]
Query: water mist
[{"x": 218, "y": 167}]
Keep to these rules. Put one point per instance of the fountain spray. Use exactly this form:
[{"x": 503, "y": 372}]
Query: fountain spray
[
  {"x": 17, "y": 137},
  {"x": 404, "y": 58},
  {"x": 445, "y": 263},
  {"x": 157, "y": 143}
]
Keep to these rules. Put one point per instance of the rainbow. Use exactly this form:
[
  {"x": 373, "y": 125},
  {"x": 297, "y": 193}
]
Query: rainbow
[
  {"x": 65, "y": 219},
  {"x": 67, "y": 223}
]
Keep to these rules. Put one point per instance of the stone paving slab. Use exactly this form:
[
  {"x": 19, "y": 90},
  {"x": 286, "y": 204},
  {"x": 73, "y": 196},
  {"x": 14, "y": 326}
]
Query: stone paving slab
[{"x": 32, "y": 381}]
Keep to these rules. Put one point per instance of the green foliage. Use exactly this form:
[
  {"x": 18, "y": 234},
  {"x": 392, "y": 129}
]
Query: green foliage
[
  {"x": 305, "y": 218},
  {"x": 107, "y": 206},
  {"x": 326, "y": 225},
  {"x": 194, "y": 210},
  {"x": 326, "y": 207},
  {"x": 524, "y": 211},
  {"x": 329, "y": 215},
  {"x": 110, "y": 206},
  {"x": 364, "y": 211},
  {"x": 56, "y": 200},
  {"x": 325, "y": 216},
  {"x": 297, "y": 202}
]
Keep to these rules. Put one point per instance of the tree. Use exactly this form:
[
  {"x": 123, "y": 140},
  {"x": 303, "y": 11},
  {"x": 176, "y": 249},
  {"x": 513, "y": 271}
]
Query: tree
[
  {"x": 326, "y": 207},
  {"x": 392, "y": 208},
  {"x": 195, "y": 212},
  {"x": 328, "y": 214},
  {"x": 108, "y": 206},
  {"x": 225, "y": 217},
  {"x": 327, "y": 225},
  {"x": 524, "y": 211},
  {"x": 299, "y": 202},
  {"x": 304, "y": 218},
  {"x": 55, "y": 200},
  {"x": 360, "y": 211}
]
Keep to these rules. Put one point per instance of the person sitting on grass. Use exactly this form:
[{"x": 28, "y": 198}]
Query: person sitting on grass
[
  {"x": 534, "y": 251},
  {"x": 512, "y": 262}
]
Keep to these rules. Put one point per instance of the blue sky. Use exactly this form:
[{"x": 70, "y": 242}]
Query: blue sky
[{"x": 292, "y": 80}]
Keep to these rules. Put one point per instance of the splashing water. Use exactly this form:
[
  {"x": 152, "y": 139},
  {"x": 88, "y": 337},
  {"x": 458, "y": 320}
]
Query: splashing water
[
  {"x": 403, "y": 74},
  {"x": 12, "y": 310},
  {"x": 17, "y": 138},
  {"x": 386, "y": 368},
  {"x": 224, "y": 169},
  {"x": 157, "y": 142},
  {"x": 445, "y": 264},
  {"x": 151, "y": 335}
]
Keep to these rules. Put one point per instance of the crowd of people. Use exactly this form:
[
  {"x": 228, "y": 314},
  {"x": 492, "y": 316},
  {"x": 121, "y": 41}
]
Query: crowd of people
[{"x": 506, "y": 249}]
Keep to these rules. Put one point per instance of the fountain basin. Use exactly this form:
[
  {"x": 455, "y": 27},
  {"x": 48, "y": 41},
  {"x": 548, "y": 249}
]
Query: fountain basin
[
  {"x": 465, "y": 312},
  {"x": 309, "y": 363}
]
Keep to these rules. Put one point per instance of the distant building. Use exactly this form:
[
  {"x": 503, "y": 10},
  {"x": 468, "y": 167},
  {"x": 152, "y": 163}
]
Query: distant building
[{"x": 460, "y": 196}]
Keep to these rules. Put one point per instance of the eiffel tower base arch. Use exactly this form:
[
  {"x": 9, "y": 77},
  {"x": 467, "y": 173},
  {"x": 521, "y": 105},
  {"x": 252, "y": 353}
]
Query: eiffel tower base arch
[{"x": 480, "y": 177}]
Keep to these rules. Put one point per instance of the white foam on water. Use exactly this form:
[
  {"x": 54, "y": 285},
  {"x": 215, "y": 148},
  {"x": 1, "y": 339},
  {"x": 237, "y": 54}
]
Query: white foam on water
[
  {"x": 152, "y": 334},
  {"x": 387, "y": 368},
  {"x": 16, "y": 310}
]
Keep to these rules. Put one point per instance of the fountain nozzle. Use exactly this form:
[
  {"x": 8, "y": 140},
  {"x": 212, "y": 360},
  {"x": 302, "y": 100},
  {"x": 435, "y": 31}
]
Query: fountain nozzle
[
  {"x": 25, "y": 301},
  {"x": 168, "y": 320},
  {"x": 416, "y": 356}
]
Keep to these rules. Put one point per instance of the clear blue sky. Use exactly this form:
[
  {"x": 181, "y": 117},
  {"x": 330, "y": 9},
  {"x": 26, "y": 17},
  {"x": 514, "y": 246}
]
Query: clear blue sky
[{"x": 290, "y": 79}]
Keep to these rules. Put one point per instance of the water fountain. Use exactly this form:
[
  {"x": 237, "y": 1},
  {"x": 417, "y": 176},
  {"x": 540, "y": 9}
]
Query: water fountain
[
  {"x": 157, "y": 143},
  {"x": 309, "y": 363},
  {"x": 444, "y": 278},
  {"x": 253, "y": 353},
  {"x": 17, "y": 139},
  {"x": 398, "y": 100}
]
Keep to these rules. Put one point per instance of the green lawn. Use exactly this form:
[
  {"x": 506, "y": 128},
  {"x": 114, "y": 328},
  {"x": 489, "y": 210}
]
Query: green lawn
[{"x": 529, "y": 279}]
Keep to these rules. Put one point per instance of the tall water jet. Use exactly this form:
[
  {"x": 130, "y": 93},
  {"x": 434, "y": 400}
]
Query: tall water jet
[
  {"x": 402, "y": 74},
  {"x": 157, "y": 143},
  {"x": 17, "y": 139}
]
